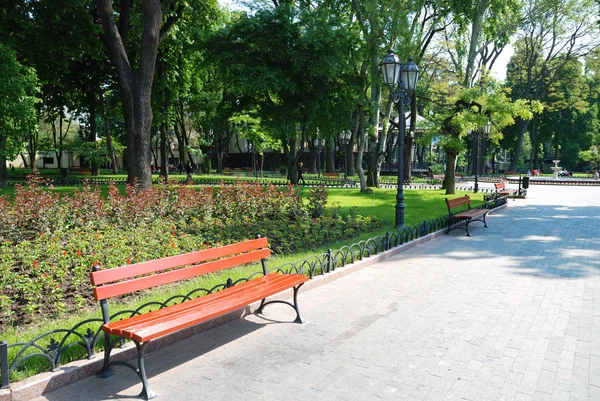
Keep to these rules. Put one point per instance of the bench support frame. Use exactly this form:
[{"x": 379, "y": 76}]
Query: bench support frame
[{"x": 454, "y": 224}]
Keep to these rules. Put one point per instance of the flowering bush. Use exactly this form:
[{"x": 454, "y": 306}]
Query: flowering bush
[{"x": 49, "y": 242}]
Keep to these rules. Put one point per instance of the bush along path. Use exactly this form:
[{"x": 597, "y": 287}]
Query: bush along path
[{"x": 51, "y": 349}]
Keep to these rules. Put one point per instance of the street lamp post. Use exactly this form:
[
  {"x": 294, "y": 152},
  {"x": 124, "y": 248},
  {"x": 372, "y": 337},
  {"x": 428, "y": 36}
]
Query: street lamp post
[
  {"x": 346, "y": 135},
  {"x": 319, "y": 145},
  {"x": 486, "y": 132},
  {"x": 402, "y": 81}
]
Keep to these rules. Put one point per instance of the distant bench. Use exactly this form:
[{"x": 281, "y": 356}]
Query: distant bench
[
  {"x": 501, "y": 190},
  {"x": 143, "y": 328},
  {"x": 82, "y": 171},
  {"x": 331, "y": 175},
  {"x": 456, "y": 219}
]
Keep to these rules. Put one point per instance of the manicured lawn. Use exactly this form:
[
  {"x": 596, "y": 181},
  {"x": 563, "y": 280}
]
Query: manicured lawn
[{"x": 420, "y": 204}]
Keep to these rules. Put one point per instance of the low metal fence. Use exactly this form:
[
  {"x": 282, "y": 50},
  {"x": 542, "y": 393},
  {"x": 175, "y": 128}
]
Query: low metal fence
[{"x": 87, "y": 335}]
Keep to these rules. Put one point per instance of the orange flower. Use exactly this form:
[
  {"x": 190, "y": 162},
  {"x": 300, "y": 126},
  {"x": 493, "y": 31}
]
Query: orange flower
[
  {"x": 35, "y": 263},
  {"x": 172, "y": 245},
  {"x": 79, "y": 253},
  {"x": 65, "y": 253},
  {"x": 128, "y": 261}
]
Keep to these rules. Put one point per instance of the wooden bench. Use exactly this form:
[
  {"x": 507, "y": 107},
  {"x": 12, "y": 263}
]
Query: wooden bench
[
  {"x": 331, "y": 175},
  {"x": 81, "y": 171},
  {"x": 501, "y": 190},
  {"x": 467, "y": 216},
  {"x": 438, "y": 177},
  {"x": 143, "y": 328}
]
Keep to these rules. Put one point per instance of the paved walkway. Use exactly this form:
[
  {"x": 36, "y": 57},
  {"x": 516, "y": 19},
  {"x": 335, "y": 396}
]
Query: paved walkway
[{"x": 509, "y": 314}]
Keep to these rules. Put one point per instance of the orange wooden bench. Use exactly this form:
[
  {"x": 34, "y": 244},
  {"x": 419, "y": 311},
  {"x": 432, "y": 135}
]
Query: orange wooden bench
[
  {"x": 143, "y": 328},
  {"x": 501, "y": 190},
  {"x": 467, "y": 216}
]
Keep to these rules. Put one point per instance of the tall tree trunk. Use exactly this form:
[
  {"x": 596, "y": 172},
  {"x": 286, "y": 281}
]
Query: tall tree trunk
[
  {"x": 349, "y": 154},
  {"x": 109, "y": 144},
  {"x": 329, "y": 157},
  {"x": 25, "y": 164},
  {"x": 361, "y": 149},
  {"x": 476, "y": 28},
  {"x": 450, "y": 180},
  {"x": 136, "y": 84},
  {"x": 517, "y": 153},
  {"x": 2, "y": 162},
  {"x": 376, "y": 153},
  {"x": 410, "y": 139}
]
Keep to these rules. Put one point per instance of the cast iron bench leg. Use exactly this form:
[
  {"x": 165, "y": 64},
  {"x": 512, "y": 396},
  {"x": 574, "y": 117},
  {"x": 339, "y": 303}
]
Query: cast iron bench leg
[
  {"x": 146, "y": 392},
  {"x": 298, "y": 319}
]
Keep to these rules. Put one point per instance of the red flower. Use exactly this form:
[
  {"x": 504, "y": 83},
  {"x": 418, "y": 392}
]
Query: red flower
[
  {"x": 35, "y": 263},
  {"x": 65, "y": 253},
  {"x": 172, "y": 245},
  {"x": 79, "y": 253},
  {"x": 128, "y": 261}
]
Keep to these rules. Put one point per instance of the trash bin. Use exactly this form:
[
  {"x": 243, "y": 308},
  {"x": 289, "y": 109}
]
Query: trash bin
[{"x": 525, "y": 182}]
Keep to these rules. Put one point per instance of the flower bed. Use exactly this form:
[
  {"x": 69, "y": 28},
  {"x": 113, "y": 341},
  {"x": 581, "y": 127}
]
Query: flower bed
[{"x": 48, "y": 242}]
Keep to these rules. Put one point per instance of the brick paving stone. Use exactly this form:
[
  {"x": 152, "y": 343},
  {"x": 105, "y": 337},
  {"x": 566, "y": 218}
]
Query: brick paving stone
[{"x": 510, "y": 314}]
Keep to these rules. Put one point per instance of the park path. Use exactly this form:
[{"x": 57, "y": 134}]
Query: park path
[{"x": 511, "y": 313}]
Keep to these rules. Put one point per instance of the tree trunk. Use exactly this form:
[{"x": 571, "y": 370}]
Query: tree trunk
[
  {"x": 330, "y": 158},
  {"x": 135, "y": 85},
  {"x": 312, "y": 167},
  {"x": 349, "y": 153},
  {"x": 109, "y": 144},
  {"x": 25, "y": 164},
  {"x": 517, "y": 153},
  {"x": 361, "y": 149},
  {"x": 372, "y": 170},
  {"x": 2, "y": 162},
  {"x": 450, "y": 180},
  {"x": 410, "y": 139}
]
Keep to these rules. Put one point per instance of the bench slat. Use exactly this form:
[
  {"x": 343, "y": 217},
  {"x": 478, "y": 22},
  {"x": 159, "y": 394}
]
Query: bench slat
[
  {"x": 126, "y": 287},
  {"x": 140, "y": 269},
  {"x": 165, "y": 322}
]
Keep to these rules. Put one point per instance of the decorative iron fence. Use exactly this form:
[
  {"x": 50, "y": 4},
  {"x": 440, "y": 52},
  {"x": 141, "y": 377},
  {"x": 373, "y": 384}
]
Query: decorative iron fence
[{"x": 86, "y": 336}]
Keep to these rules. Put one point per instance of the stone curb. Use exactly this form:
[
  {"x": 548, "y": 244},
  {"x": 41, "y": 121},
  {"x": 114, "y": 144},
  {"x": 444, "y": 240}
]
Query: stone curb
[{"x": 42, "y": 383}]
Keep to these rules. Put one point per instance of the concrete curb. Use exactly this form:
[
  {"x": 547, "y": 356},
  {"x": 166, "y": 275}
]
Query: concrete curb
[{"x": 42, "y": 383}]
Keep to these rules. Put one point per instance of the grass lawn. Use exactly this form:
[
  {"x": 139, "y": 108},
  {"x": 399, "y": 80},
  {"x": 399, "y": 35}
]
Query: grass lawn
[{"x": 420, "y": 204}]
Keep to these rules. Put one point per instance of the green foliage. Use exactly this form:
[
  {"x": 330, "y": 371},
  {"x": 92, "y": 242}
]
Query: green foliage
[{"x": 18, "y": 88}]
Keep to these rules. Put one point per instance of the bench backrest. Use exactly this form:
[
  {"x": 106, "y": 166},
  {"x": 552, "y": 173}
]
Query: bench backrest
[
  {"x": 500, "y": 185},
  {"x": 139, "y": 276},
  {"x": 331, "y": 174},
  {"x": 458, "y": 202}
]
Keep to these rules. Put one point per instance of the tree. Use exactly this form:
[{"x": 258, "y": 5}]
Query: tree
[
  {"x": 295, "y": 89},
  {"x": 18, "y": 87},
  {"x": 553, "y": 32},
  {"x": 465, "y": 110},
  {"x": 135, "y": 64}
]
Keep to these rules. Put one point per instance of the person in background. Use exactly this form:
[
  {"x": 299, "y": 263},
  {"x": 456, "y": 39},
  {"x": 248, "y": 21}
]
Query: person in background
[
  {"x": 301, "y": 173},
  {"x": 189, "y": 170}
]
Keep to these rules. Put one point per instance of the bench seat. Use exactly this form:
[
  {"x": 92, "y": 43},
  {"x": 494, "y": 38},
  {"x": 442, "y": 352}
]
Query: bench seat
[
  {"x": 158, "y": 323},
  {"x": 470, "y": 214}
]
